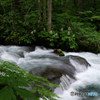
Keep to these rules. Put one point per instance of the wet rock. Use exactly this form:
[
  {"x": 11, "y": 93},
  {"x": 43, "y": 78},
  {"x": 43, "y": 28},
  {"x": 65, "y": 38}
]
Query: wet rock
[
  {"x": 80, "y": 60},
  {"x": 59, "y": 52},
  {"x": 49, "y": 73},
  {"x": 30, "y": 49},
  {"x": 21, "y": 54},
  {"x": 52, "y": 74}
]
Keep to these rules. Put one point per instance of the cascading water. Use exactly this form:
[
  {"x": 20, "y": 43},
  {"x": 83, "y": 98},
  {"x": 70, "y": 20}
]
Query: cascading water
[
  {"x": 78, "y": 77},
  {"x": 87, "y": 81}
]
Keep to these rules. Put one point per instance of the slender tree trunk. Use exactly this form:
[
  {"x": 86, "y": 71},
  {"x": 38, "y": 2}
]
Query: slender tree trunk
[
  {"x": 61, "y": 5},
  {"x": 30, "y": 9},
  {"x": 39, "y": 10},
  {"x": 44, "y": 10},
  {"x": 12, "y": 15},
  {"x": 49, "y": 15},
  {"x": 76, "y": 6},
  {"x": 80, "y": 5},
  {"x": 94, "y": 6},
  {"x": 66, "y": 6}
]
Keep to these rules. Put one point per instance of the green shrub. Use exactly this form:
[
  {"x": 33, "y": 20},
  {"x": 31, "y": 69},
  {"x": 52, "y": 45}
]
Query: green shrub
[
  {"x": 85, "y": 14},
  {"x": 68, "y": 38},
  {"x": 56, "y": 39},
  {"x": 96, "y": 21},
  {"x": 49, "y": 37},
  {"x": 14, "y": 83},
  {"x": 87, "y": 36}
]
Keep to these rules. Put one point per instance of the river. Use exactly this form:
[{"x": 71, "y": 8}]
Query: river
[{"x": 87, "y": 78}]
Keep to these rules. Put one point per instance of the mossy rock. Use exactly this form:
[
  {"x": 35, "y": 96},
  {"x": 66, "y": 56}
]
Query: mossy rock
[
  {"x": 59, "y": 52},
  {"x": 62, "y": 54}
]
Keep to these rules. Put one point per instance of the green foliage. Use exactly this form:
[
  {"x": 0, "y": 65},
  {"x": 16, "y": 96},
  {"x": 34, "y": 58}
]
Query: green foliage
[
  {"x": 87, "y": 36},
  {"x": 50, "y": 37},
  {"x": 17, "y": 22},
  {"x": 61, "y": 21},
  {"x": 95, "y": 18},
  {"x": 15, "y": 82},
  {"x": 59, "y": 38},
  {"x": 69, "y": 38},
  {"x": 86, "y": 14},
  {"x": 18, "y": 19}
]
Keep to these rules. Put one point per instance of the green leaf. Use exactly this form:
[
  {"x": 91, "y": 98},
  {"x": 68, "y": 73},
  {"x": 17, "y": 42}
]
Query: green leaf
[
  {"x": 7, "y": 93},
  {"x": 25, "y": 93},
  {"x": 16, "y": 80},
  {"x": 21, "y": 83},
  {"x": 52, "y": 44}
]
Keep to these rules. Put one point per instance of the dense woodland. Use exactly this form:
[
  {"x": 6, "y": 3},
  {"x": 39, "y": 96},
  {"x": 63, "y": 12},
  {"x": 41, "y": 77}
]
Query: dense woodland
[{"x": 72, "y": 25}]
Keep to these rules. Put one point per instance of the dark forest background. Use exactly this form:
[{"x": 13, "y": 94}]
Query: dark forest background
[{"x": 72, "y": 25}]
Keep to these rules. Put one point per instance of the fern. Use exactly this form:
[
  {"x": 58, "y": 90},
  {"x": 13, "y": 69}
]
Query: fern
[{"x": 14, "y": 82}]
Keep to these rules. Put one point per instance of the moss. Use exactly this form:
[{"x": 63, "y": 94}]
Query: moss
[
  {"x": 62, "y": 54},
  {"x": 59, "y": 50}
]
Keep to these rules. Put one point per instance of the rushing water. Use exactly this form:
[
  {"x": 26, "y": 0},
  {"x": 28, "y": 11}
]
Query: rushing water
[{"x": 88, "y": 79}]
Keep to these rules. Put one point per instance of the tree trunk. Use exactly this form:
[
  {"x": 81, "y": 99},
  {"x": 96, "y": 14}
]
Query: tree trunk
[
  {"x": 12, "y": 14},
  {"x": 76, "y": 6},
  {"x": 44, "y": 11},
  {"x": 66, "y": 6},
  {"x": 80, "y": 5},
  {"x": 94, "y": 6},
  {"x": 61, "y": 5},
  {"x": 39, "y": 10},
  {"x": 49, "y": 15}
]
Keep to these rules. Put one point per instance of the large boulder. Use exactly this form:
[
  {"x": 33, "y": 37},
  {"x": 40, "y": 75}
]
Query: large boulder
[
  {"x": 62, "y": 67},
  {"x": 51, "y": 74}
]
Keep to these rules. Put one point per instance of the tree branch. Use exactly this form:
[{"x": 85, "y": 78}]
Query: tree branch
[{"x": 31, "y": 7}]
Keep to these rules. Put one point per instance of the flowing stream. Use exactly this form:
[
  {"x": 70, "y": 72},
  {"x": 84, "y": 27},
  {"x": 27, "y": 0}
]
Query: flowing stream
[
  {"x": 87, "y": 81},
  {"x": 78, "y": 78}
]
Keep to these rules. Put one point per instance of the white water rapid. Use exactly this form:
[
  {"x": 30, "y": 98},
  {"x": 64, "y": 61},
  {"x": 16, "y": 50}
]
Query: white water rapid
[{"x": 88, "y": 79}]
